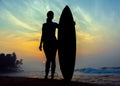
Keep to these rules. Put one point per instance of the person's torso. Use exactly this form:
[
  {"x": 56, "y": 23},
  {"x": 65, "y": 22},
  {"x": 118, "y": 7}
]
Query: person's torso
[{"x": 49, "y": 30}]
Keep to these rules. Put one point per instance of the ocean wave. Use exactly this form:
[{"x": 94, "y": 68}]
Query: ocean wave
[{"x": 102, "y": 70}]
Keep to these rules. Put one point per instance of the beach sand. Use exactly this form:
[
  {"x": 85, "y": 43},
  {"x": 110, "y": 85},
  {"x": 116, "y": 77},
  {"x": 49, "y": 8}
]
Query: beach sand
[{"x": 23, "y": 81}]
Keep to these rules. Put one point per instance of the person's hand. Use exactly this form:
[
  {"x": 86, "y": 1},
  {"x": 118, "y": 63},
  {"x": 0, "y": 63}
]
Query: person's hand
[
  {"x": 74, "y": 23},
  {"x": 40, "y": 48}
]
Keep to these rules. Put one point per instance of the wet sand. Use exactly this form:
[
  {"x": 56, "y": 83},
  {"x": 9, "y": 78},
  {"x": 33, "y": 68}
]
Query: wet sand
[{"x": 23, "y": 81}]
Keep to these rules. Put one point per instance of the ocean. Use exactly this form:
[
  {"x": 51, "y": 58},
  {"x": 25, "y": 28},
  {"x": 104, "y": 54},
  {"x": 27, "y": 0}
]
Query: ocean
[
  {"x": 90, "y": 75},
  {"x": 103, "y": 75}
]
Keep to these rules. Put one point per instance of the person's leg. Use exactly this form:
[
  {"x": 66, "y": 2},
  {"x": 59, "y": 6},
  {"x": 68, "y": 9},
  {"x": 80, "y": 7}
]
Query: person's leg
[
  {"x": 47, "y": 67},
  {"x": 53, "y": 66}
]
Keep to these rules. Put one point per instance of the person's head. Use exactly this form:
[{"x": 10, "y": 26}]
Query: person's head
[{"x": 50, "y": 15}]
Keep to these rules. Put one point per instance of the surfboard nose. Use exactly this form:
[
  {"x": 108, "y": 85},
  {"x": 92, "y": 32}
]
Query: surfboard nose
[{"x": 67, "y": 7}]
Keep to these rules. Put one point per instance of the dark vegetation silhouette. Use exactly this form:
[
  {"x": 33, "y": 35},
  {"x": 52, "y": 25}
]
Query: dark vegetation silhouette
[
  {"x": 9, "y": 62},
  {"x": 49, "y": 43}
]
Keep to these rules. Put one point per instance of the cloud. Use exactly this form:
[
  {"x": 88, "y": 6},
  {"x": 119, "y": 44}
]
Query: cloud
[
  {"x": 18, "y": 22},
  {"x": 34, "y": 39},
  {"x": 82, "y": 16},
  {"x": 30, "y": 36}
]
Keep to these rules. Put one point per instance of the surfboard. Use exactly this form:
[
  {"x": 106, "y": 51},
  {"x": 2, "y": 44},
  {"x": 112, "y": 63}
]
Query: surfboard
[{"x": 66, "y": 43}]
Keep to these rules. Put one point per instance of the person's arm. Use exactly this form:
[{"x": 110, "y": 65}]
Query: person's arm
[
  {"x": 57, "y": 25},
  {"x": 41, "y": 42},
  {"x": 40, "y": 47}
]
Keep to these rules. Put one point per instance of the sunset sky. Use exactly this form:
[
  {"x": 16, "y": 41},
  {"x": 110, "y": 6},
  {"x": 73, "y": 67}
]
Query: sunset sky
[{"x": 97, "y": 28}]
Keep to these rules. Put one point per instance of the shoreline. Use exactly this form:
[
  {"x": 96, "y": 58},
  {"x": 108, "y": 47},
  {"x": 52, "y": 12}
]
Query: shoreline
[{"x": 27, "y": 81}]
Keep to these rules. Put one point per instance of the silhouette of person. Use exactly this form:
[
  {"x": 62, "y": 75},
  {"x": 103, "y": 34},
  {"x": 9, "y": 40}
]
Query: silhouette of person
[{"x": 49, "y": 42}]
